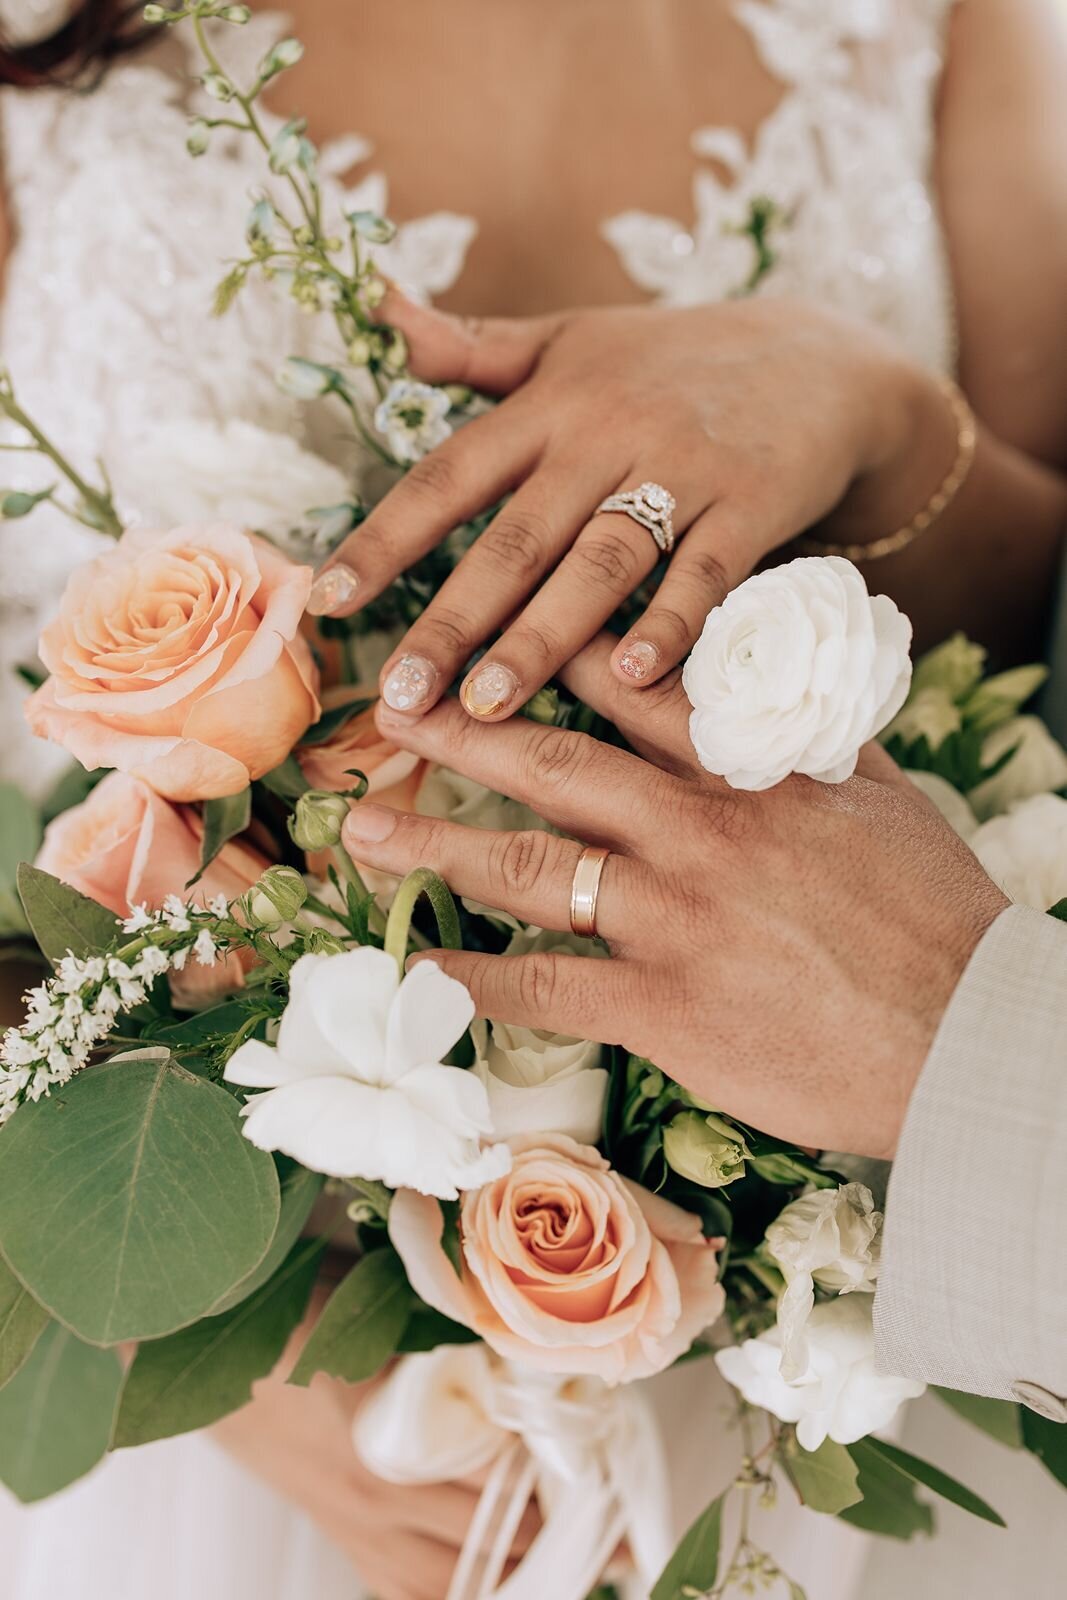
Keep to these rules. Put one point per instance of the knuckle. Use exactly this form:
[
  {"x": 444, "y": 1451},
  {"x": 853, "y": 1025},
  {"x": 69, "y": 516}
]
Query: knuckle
[
  {"x": 520, "y": 859},
  {"x": 538, "y": 983},
  {"x": 518, "y": 542},
  {"x": 606, "y": 562},
  {"x": 537, "y": 643},
  {"x": 557, "y": 760},
  {"x": 730, "y": 814},
  {"x": 676, "y": 628},
  {"x": 433, "y": 478},
  {"x": 710, "y": 574},
  {"x": 448, "y": 631}
]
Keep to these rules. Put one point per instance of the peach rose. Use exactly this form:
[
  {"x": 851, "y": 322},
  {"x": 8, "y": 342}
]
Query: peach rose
[
  {"x": 177, "y": 657},
  {"x": 125, "y": 846},
  {"x": 566, "y": 1265},
  {"x": 393, "y": 775}
]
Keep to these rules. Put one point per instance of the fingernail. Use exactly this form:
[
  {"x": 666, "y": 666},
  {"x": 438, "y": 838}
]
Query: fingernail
[
  {"x": 332, "y": 589},
  {"x": 370, "y": 822},
  {"x": 409, "y": 684},
  {"x": 488, "y": 689},
  {"x": 639, "y": 660}
]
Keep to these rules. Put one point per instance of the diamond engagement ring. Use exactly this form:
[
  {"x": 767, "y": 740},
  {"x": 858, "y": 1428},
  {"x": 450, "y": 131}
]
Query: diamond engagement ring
[{"x": 652, "y": 506}]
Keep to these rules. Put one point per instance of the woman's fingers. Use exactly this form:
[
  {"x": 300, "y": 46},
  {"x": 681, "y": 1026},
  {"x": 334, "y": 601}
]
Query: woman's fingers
[
  {"x": 470, "y": 471},
  {"x": 656, "y": 722},
  {"x": 574, "y": 995},
  {"x": 489, "y": 585},
  {"x": 584, "y": 787},
  {"x": 494, "y": 354},
  {"x": 528, "y": 872}
]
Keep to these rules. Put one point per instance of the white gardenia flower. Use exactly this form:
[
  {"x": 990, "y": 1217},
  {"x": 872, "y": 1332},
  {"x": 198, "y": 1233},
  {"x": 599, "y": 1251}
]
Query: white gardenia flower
[
  {"x": 411, "y": 418},
  {"x": 840, "y": 1395},
  {"x": 1025, "y": 851},
  {"x": 356, "y": 1081},
  {"x": 951, "y": 804},
  {"x": 831, "y": 1237},
  {"x": 539, "y": 1081},
  {"x": 797, "y": 669},
  {"x": 1038, "y": 766}
]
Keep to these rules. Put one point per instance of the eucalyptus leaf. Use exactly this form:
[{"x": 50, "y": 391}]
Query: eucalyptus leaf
[
  {"x": 204, "y": 1372},
  {"x": 999, "y": 1418},
  {"x": 695, "y": 1564},
  {"x": 362, "y": 1324},
  {"x": 1047, "y": 1441},
  {"x": 930, "y": 1477},
  {"x": 223, "y": 818},
  {"x": 890, "y": 1506},
  {"x": 300, "y": 1189},
  {"x": 55, "y": 1415},
  {"x": 286, "y": 780},
  {"x": 130, "y": 1202},
  {"x": 825, "y": 1479},
  {"x": 22, "y": 1321},
  {"x": 61, "y": 919}
]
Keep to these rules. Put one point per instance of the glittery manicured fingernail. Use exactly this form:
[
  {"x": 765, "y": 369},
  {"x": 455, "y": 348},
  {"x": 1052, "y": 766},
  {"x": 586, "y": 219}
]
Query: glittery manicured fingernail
[
  {"x": 410, "y": 683},
  {"x": 332, "y": 589},
  {"x": 489, "y": 689},
  {"x": 639, "y": 660}
]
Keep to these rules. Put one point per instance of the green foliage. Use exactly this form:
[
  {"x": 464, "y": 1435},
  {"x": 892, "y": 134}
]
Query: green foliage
[
  {"x": 1047, "y": 1441},
  {"x": 300, "y": 1189},
  {"x": 930, "y": 1477},
  {"x": 362, "y": 1324},
  {"x": 693, "y": 1567},
  {"x": 333, "y": 720},
  {"x": 826, "y": 1479},
  {"x": 999, "y": 1418},
  {"x": 55, "y": 1415},
  {"x": 61, "y": 919},
  {"x": 427, "y": 1329},
  {"x": 223, "y": 818},
  {"x": 204, "y": 1372},
  {"x": 889, "y": 1506},
  {"x": 20, "y": 839},
  {"x": 286, "y": 780},
  {"x": 130, "y": 1202},
  {"x": 1059, "y": 911},
  {"x": 22, "y": 1321}
]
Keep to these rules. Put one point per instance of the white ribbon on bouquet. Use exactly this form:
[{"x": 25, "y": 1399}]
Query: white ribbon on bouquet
[{"x": 592, "y": 1456}]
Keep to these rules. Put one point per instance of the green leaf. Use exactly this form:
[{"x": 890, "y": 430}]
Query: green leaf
[
  {"x": 223, "y": 818},
  {"x": 130, "y": 1202},
  {"x": 286, "y": 780},
  {"x": 204, "y": 1372},
  {"x": 300, "y": 1190},
  {"x": 1047, "y": 1441},
  {"x": 890, "y": 1505},
  {"x": 1059, "y": 910},
  {"x": 62, "y": 919},
  {"x": 695, "y": 1564},
  {"x": 825, "y": 1479},
  {"x": 203, "y": 1025},
  {"x": 999, "y": 1418},
  {"x": 362, "y": 1324},
  {"x": 931, "y": 1477},
  {"x": 20, "y": 839},
  {"x": 55, "y": 1416},
  {"x": 427, "y": 1329},
  {"x": 330, "y": 721},
  {"x": 22, "y": 1321}
]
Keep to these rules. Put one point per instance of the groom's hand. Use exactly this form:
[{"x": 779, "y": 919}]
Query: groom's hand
[{"x": 785, "y": 955}]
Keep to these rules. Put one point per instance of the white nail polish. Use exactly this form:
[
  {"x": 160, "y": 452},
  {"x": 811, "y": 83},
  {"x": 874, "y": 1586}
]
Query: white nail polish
[
  {"x": 639, "y": 660},
  {"x": 332, "y": 589},
  {"x": 409, "y": 684},
  {"x": 489, "y": 689}
]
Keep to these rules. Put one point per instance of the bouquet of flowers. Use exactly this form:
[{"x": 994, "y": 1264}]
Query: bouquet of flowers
[{"x": 226, "y": 1039}]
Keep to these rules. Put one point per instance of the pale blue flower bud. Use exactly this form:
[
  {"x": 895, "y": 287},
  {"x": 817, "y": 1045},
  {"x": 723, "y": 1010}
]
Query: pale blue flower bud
[
  {"x": 286, "y": 145},
  {"x": 369, "y": 225},
  {"x": 259, "y": 228},
  {"x": 306, "y": 380}
]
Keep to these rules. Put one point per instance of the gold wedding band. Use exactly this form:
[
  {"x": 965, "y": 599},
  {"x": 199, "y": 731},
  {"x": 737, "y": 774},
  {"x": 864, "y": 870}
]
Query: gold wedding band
[{"x": 585, "y": 888}]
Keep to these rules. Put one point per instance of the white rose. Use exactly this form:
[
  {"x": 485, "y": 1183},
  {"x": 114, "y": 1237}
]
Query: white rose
[
  {"x": 1038, "y": 766},
  {"x": 539, "y": 1081},
  {"x": 831, "y": 1237},
  {"x": 796, "y": 670},
  {"x": 1025, "y": 851},
  {"x": 840, "y": 1395},
  {"x": 356, "y": 1082},
  {"x": 951, "y": 804}
]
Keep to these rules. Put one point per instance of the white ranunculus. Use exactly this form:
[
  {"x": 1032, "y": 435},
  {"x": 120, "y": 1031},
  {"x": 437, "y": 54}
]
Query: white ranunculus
[
  {"x": 831, "y": 1237},
  {"x": 797, "y": 669},
  {"x": 454, "y": 798},
  {"x": 1025, "y": 851},
  {"x": 193, "y": 471},
  {"x": 539, "y": 1081},
  {"x": 951, "y": 804},
  {"x": 1038, "y": 766},
  {"x": 840, "y": 1395},
  {"x": 356, "y": 1084}
]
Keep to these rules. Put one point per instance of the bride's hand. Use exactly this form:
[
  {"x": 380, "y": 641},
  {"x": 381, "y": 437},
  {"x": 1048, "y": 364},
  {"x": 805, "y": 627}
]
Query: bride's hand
[
  {"x": 759, "y": 416},
  {"x": 786, "y": 955}
]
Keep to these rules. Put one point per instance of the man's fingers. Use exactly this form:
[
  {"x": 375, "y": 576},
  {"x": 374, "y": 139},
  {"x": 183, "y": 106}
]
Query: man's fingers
[
  {"x": 574, "y": 995},
  {"x": 585, "y": 788},
  {"x": 655, "y": 722},
  {"x": 493, "y": 354},
  {"x": 528, "y": 873}
]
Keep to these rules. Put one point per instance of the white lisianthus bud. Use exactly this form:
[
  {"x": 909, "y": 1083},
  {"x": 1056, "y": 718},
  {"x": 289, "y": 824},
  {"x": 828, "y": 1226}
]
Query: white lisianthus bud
[
  {"x": 396, "y": 352},
  {"x": 1037, "y": 765},
  {"x": 218, "y": 86},
  {"x": 286, "y": 146},
  {"x": 954, "y": 667},
  {"x": 198, "y": 137},
  {"x": 154, "y": 14},
  {"x": 238, "y": 15},
  {"x": 705, "y": 1149},
  {"x": 259, "y": 228},
  {"x": 276, "y": 897},
  {"x": 317, "y": 819},
  {"x": 797, "y": 669},
  {"x": 286, "y": 53},
  {"x": 931, "y": 714},
  {"x": 369, "y": 225},
  {"x": 306, "y": 380}
]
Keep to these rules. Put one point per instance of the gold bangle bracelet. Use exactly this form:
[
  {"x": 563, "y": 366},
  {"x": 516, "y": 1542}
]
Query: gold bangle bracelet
[{"x": 935, "y": 507}]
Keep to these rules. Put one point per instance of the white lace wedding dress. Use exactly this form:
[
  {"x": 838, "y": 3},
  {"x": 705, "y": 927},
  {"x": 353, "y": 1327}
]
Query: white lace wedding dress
[{"x": 118, "y": 236}]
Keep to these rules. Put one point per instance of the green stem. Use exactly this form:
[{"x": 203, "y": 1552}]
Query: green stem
[
  {"x": 106, "y": 519},
  {"x": 398, "y": 928}
]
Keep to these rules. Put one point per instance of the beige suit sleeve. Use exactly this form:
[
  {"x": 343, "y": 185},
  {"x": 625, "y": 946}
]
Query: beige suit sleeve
[{"x": 973, "y": 1288}]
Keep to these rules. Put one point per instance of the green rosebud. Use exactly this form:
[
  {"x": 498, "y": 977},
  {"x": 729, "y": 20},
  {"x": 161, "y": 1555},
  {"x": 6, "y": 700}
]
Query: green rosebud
[
  {"x": 198, "y": 137},
  {"x": 999, "y": 698},
  {"x": 954, "y": 667},
  {"x": 275, "y": 898},
  {"x": 705, "y": 1149},
  {"x": 316, "y": 822}
]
